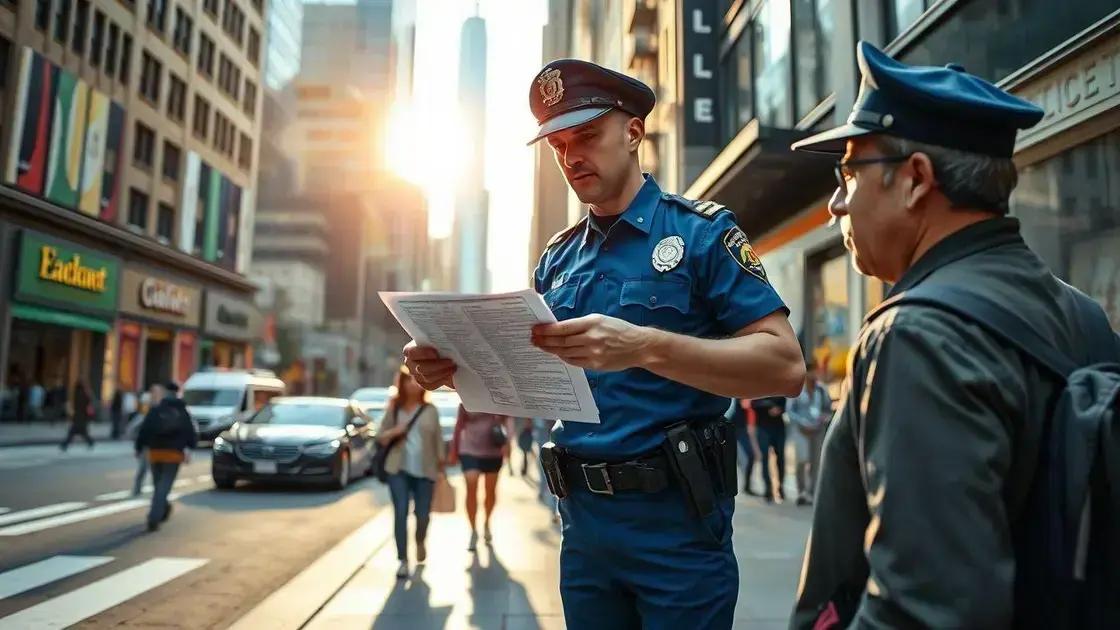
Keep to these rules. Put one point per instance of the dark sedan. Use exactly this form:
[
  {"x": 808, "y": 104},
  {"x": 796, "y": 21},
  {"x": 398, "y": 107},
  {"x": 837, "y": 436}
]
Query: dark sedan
[{"x": 304, "y": 439}]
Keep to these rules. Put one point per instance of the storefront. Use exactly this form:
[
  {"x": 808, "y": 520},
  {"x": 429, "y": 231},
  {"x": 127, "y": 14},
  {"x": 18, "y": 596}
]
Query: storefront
[
  {"x": 64, "y": 301},
  {"x": 229, "y": 327},
  {"x": 157, "y": 335}
]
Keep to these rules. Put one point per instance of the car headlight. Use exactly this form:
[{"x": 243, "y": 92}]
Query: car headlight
[
  {"x": 322, "y": 448},
  {"x": 222, "y": 445}
]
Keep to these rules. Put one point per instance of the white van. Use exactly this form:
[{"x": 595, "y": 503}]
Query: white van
[{"x": 218, "y": 398}]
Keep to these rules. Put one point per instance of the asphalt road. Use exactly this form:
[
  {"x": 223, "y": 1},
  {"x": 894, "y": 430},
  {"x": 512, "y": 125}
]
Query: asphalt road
[{"x": 74, "y": 548}]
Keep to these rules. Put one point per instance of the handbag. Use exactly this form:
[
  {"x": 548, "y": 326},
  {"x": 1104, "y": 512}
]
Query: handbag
[
  {"x": 498, "y": 435},
  {"x": 443, "y": 496},
  {"x": 377, "y": 464}
]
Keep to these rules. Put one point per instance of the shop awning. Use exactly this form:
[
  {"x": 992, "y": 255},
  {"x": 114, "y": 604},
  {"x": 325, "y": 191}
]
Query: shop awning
[{"x": 60, "y": 318}]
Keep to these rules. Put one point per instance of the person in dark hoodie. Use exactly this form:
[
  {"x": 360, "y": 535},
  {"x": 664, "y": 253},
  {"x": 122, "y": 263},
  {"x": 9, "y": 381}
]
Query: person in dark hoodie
[{"x": 168, "y": 433}]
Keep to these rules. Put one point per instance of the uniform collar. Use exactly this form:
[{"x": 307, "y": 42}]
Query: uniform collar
[
  {"x": 639, "y": 213},
  {"x": 960, "y": 244}
]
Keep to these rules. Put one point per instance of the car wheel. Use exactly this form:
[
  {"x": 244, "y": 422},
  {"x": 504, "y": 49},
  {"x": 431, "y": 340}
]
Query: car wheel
[
  {"x": 342, "y": 477},
  {"x": 224, "y": 483}
]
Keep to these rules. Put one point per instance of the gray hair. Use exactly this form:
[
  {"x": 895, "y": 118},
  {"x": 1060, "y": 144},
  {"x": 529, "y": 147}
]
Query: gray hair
[{"x": 969, "y": 180}]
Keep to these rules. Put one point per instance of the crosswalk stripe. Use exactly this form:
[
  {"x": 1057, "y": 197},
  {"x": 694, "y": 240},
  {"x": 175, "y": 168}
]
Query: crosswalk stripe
[
  {"x": 46, "y": 571},
  {"x": 202, "y": 478},
  {"x": 114, "y": 496},
  {"x": 179, "y": 483},
  {"x": 72, "y": 517},
  {"x": 40, "y": 512},
  {"x": 5, "y": 510},
  {"x": 92, "y": 599}
]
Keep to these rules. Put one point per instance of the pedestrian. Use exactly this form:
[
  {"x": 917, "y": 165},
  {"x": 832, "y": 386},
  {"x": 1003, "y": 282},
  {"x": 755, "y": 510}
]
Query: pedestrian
[
  {"x": 770, "y": 424},
  {"x": 155, "y": 393},
  {"x": 542, "y": 429},
  {"x": 410, "y": 429},
  {"x": 116, "y": 414},
  {"x": 480, "y": 444},
  {"x": 524, "y": 428},
  {"x": 168, "y": 434},
  {"x": 921, "y": 515},
  {"x": 808, "y": 414},
  {"x": 18, "y": 382},
  {"x": 745, "y": 438},
  {"x": 80, "y": 415},
  {"x": 36, "y": 397},
  {"x": 665, "y": 305}
]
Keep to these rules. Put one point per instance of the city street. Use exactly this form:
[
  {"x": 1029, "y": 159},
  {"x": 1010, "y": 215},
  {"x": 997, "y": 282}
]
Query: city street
[{"x": 74, "y": 551}]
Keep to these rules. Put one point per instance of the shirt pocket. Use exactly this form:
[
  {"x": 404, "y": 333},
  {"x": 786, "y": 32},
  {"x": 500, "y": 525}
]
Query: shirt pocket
[
  {"x": 662, "y": 303},
  {"x": 562, "y": 299}
]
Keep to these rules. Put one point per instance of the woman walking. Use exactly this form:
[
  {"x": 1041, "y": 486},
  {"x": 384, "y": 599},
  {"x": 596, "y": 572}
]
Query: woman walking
[
  {"x": 480, "y": 444},
  {"x": 81, "y": 416},
  {"x": 410, "y": 430}
]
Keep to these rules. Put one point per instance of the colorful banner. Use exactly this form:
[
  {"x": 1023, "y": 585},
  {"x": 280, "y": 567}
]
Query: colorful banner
[
  {"x": 93, "y": 164},
  {"x": 202, "y": 209},
  {"x": 27, "y": 152},
  {"x": 64, "y": 162},
  {"x": 113, "y": 164},
  {"x": 188, "y": 204},
  {"x": 213, "y": 212}
]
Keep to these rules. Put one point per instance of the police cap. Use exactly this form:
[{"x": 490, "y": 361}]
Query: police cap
[
  {"x": 569, "y": 92},
  {"x": 943, "y": 106}
]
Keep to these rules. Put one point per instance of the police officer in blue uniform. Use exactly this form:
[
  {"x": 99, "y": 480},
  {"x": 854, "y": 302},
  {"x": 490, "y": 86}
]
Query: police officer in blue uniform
[{"x": 668, "y": 309}]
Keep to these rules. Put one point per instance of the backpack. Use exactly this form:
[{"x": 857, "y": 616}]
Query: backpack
[
  {"x": 165, "y": 422},
  {"x": 1065, "y": 524}
]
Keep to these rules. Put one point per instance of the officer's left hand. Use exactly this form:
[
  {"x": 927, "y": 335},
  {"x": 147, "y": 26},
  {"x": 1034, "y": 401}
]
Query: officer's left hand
[{"x": 595, "y": 342}]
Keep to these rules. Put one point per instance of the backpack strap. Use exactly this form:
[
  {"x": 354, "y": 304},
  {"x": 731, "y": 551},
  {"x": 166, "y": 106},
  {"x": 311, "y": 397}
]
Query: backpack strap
[{"x": 994, "y": 318}]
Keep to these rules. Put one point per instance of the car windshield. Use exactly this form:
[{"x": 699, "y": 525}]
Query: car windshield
[
  {"x": 212, "y": 397},
  {"x": 372, "y": 395},
  {"x": 299, "y": 413}
]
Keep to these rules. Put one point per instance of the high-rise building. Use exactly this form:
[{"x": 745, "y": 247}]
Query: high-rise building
[
  {"x": 128, "y": 153},
  {"x": 471, "y": 200},
  {"x": 348, "y": 44},
  {"x": 285, "y": 36}
]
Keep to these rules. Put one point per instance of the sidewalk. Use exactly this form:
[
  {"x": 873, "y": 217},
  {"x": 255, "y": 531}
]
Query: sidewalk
[
  {"x": 514, "y": 585},
  {"x": 39, "y": 433}
]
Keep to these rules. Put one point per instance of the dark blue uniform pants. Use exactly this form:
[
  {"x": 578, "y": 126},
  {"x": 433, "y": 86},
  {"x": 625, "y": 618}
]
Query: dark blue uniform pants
[{"x": 641, "y": 561}]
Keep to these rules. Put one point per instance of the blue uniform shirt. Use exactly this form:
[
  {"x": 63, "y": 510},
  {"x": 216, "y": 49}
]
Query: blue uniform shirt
[{"x": 710, "y": 284}]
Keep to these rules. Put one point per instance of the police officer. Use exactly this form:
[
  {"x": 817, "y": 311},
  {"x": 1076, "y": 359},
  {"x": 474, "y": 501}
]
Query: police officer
[
  {"x": 935, "y": 433},
  {"x": 665, "y": 305}
]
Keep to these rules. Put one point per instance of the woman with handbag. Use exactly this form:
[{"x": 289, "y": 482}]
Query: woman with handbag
[
  {"x": 480, "y": 444},
  {"x": 414, "y": 454}
]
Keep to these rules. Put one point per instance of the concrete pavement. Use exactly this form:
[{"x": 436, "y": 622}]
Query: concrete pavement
[{"x": 32, "y": 433}]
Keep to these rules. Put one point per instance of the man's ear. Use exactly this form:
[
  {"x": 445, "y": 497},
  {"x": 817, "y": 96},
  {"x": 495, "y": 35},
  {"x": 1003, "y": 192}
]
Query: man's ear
[
  {"x": 923, "y": 181},
  {"x": 635, "y": 133}
]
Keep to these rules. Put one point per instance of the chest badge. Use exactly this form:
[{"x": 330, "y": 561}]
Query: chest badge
[{"x": 668, "y": 253}]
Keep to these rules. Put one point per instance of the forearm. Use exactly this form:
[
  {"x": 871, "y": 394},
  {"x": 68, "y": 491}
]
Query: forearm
[{"x": 748, "y": 366}]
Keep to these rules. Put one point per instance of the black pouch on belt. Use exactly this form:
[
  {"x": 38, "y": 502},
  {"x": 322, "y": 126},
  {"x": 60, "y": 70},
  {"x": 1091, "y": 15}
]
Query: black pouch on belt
[
  {"x": 553, "y": 470},
  {"x": 725, "y": 452},
  {"x": 686, "y": 456}
]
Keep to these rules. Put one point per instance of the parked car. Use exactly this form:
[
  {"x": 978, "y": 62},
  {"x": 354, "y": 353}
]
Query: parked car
[
  {"x": 300, "y": 439},
  {"x": 218, "y": 398},
  {"x": 373, "y": 400}
]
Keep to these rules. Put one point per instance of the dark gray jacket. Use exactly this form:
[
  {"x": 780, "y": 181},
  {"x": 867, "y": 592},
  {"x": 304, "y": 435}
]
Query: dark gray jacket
[
  {"x": 168, "y": 425},
  {"x": 911, "y": 526}
]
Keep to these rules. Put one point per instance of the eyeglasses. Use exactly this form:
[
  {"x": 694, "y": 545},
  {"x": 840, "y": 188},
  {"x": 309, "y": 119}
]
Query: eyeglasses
[{"x": 844, "y": 172}]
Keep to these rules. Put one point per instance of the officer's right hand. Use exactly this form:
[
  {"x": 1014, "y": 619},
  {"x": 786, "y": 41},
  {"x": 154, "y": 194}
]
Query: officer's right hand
[{"x": 430, "y": 370}]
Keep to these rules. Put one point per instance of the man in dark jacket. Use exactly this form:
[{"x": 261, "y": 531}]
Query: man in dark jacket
[
  {"x": 911, "y": 527},
  {"x": 168, "y": 433},
  {"x": 770, "y": 423}
]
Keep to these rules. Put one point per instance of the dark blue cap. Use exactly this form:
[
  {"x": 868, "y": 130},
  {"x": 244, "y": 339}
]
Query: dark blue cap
[
  {"x": 943, "y": 106},
  {"x": 570, "y": 92}
]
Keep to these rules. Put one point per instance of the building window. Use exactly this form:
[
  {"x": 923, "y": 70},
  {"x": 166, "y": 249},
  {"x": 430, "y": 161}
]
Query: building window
[
  {"x": 81, "y": 23},
  {"x": 233, "y": 22},
  {"x": 151, "y": 74},
  {"x": 111, "y": 49},
  {"x": 201, "y": 117},
  {"x": 259, "y": 6},
  {"x": 245, "y": 158},
  {"x": 176, "y": 98},
  {"x": 62, "y": 20},
  {"x": 165, "y": 222},
  {"x": 157, "y": 15},
  {"x": 902, "y": 13},
  {"x": 827, "y": 335},
  {"x": 205, "y": 56},
  {"x": 254, "y": 47},
  {"x": 250, "y": 105},
  {"x": 138, "y": 209},
  {"x": 97, "y": 44},
  {"x": 1069, "y": 208},
  {"x": 171, "y": 154},
  {"x": 772, "y": 65},
  {"x": 739, "y": 104},
  {"x": 211, "y": 7},
  {"x": 813, "y": 26},
  {"x": 183, "y": 29},
  {"x": 126, "y": 59},
  {"x": 42, "y": 14},
  {"x": 144, "y": 146}
]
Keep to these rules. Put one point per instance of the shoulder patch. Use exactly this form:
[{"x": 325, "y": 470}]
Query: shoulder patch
[
  {"x": 706, "y": 209},
  {"x": 563, "y": 235},
  {"x": 737, "y": 245}
]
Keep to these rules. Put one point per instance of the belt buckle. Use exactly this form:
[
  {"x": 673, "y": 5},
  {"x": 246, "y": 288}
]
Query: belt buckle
[{"x": 602, "y": 468}]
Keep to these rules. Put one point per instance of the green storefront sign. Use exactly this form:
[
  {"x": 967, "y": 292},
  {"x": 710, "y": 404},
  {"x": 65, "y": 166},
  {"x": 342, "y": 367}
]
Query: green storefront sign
[{"x": 57, "y": 273}]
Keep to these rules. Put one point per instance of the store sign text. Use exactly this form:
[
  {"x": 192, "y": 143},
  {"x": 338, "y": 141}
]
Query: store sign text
[
  {"x": 700, "y": 86},
  {"x": 232, "y": 318},
  {"x": 1089, "y": 82},
  {"x": 70, "y": 273},
  {"x": 158, "y": 295}
]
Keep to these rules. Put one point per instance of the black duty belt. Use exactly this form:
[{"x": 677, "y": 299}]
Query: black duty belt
[{"x": 647, "y": 474}]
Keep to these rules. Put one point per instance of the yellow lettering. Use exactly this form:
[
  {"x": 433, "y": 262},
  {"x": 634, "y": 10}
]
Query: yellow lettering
[
  {"x": 71, "y": 273},
  {"x": 46, "y": 258}
]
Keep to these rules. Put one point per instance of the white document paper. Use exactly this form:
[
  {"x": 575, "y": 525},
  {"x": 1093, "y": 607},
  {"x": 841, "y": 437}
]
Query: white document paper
[{"x": 488, "y": 337}]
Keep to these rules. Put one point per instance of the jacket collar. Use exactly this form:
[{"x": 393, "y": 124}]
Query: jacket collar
[{"x": 965, "y": 242}]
